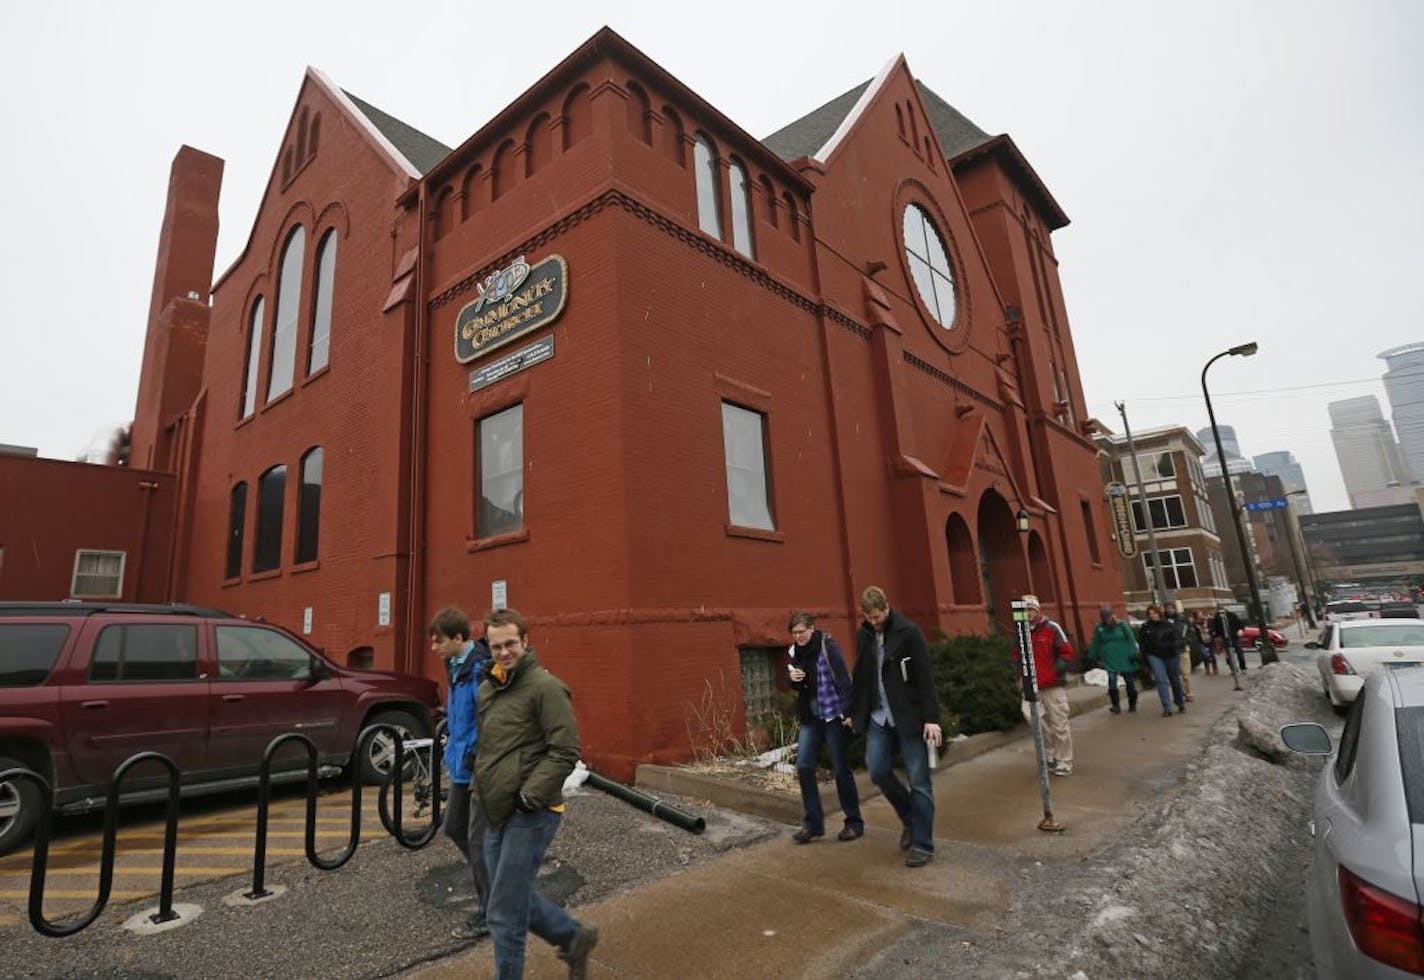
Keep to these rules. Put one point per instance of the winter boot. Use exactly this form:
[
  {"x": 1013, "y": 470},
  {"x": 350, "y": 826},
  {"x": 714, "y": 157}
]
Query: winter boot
[{"x": 1112, "y": 696}]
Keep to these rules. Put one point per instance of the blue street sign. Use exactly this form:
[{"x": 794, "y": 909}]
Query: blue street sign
[{"x": 1278, "y": 504}]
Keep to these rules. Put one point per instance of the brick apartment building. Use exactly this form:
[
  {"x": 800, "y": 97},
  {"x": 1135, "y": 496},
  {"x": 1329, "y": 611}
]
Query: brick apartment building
[{"x": 620, "y": 364}]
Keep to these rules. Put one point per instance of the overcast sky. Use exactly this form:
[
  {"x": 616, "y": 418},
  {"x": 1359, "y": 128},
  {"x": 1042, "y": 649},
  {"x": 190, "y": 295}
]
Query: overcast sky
[{"x": 1234, "y": 170}]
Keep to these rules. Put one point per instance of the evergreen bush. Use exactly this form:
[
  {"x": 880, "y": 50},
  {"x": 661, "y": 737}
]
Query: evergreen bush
[{"x": 977, "y": 683}]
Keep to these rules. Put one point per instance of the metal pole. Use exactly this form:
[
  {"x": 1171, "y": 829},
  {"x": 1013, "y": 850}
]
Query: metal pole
[
  {"x": 1295, "y": 560},
  {"x": 1155, "y": 583},
  {"x": 1263, "y": 638},
  {"x": 1029, "y": 674}
]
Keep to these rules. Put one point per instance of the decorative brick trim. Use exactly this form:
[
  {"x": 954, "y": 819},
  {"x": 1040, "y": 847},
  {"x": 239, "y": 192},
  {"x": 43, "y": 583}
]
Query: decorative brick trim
[{"x": 951, "y": 381}]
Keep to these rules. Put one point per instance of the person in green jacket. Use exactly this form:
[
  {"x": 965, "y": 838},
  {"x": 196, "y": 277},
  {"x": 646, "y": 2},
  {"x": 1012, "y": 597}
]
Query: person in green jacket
[
  {"x": 1115, "y": 647},
  {"x": 529, "y": 743}
]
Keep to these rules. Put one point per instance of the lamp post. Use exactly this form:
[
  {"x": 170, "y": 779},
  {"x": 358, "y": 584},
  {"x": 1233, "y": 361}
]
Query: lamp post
[
  {"x": 1263, "y": 638},
  {"x": 1306, "y": 601},
  {"x": 1154, "y": 582}
]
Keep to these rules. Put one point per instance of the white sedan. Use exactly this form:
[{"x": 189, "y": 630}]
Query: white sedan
[{"x": 1350, "y": 651}]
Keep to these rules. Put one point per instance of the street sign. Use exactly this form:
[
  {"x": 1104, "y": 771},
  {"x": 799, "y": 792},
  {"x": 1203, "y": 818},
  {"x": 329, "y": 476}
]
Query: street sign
[{"x": 1279, "y": 503}]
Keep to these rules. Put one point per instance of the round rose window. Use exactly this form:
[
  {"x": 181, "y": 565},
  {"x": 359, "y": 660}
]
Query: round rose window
[{"x": 929, "y": 265}]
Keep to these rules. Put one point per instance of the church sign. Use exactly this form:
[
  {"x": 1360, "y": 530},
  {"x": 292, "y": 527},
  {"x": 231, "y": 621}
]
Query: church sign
[
  {"x": 510, "y": 303},
  {"x": 1122, "y": 519}
]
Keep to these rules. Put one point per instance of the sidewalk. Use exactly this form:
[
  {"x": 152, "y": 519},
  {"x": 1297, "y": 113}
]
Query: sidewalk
[{"x": 779, "y": 910}]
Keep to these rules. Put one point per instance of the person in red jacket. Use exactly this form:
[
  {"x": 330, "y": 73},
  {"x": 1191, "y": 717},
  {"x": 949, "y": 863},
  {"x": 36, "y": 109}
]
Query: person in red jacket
[{"x": 1052, "y": 656}]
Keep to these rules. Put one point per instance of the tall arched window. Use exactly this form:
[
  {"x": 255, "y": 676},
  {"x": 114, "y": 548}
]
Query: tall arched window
[
  {"x": 640, "y": 122},
  {"x": 578, "y": 116},
  {"x": 302, "y": 136},
  {"x": 319, "y": 351},
  {"x": 254, "y": 357},
  {"x": 502, "y": 177},
  {"x": 793, "y": 215},
  {"x": 709, "y": 204},
  {"x": 538, "y": 148},
  {"x": 470, "y": 190},
  {"x": 309, "y": 506},
  {"x": 236, "y": 522},
  {"x": 672, "y": 136},
  {"x": 314, "y": 134},
  {"x": 284, "y": 324},
  {"x": 741, "y": 208},
  {"x": 271, "y": 495},
  {"x": 768, "y": 194}
]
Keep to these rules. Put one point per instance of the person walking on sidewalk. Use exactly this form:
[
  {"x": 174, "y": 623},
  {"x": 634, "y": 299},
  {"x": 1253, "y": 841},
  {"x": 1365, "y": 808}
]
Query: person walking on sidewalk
[
  {"x": 529, "y": 744},
  {"x": 1226, "y": 634},
  {"x": 1052, "y": 656},
  {"x": 822, "y": 683},
  {"x": 1201, "y": 634},
  {"x": 1163, "y": 648},
  {"x": 465, "y": 659},
  {"x": 1114, "y": 646},
  {"x": 893, "y": 701},
  {"x": 1184, "y": 659}
]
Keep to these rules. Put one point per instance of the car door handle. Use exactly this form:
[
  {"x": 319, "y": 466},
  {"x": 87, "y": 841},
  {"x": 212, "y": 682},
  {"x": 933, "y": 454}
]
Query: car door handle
[
  {"x": 91, "y": 705},
  {"x": 233, "y": 697}
]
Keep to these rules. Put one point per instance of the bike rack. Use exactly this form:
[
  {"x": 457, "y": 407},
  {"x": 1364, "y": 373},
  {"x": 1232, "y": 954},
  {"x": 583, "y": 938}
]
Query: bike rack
[
  {"x": 40, "y": 865},
  {"x": 396, "y": 778}
]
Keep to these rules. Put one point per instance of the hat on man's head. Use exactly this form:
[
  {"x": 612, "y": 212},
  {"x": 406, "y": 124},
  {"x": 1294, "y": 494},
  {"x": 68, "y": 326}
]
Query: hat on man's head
[{"x": 1031, "y": 601}]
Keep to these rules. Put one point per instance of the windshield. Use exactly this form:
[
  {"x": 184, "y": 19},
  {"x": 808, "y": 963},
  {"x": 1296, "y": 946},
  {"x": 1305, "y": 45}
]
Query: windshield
[{"x": 1382, "y": 636}]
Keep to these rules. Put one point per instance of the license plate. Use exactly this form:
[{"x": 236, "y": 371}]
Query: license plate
[{"x": 1396, "y": 665}]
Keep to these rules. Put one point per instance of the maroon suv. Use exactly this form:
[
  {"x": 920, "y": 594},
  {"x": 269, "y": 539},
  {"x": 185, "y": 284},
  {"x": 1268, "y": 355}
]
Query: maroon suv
[{"x": 84, "y": 686}]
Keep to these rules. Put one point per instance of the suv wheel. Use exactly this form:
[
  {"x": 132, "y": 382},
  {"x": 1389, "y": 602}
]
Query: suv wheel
[
  {"x": 19, "y": 808},
  {"x": 379, "y": 750}
]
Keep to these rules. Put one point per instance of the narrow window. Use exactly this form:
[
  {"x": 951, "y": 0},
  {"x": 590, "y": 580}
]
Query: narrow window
[
  {"x": 502, "y": 170},
  {"x": 98, "y": 575},
  {"x": 672, "y": 136},
  {"x": 254, "y": 358},
  {"x": 1091, "y": 532},
  {"x": 271, "y": 495},
  {"x": 309, "y": 506},
  {"x": 748, "y": 485},
  {"x": 578, "y": 115},
  {"x": 709, "y": 207},
  {"x": 236, "y": 524},
  {"x": 793, "y": 216},
  {"x": 768, "y": 193},
  {"x": 320, "y": 350},
  {"x": 284, "y": 324},
  {"x": 640, "y": 122},
  {"x": 501, "y": 506},
  {"x": 538, "y": 145},
  {"x": 741, "y": 209}
]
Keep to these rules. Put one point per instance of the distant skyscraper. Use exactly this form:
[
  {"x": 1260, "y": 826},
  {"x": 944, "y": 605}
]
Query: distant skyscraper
[
  {"x": 1374, "y": 473},
  {"x": 1210, "y": 466},
  {"x": 1404, "y": 384},
  {"x": 1285, "y": 466}
]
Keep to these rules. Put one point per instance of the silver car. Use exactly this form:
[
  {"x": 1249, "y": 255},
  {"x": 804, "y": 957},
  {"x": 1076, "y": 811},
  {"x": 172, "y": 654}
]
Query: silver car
[
  {"x": 1349, "y": 652},
  {"x": 1367, "y": 869}
]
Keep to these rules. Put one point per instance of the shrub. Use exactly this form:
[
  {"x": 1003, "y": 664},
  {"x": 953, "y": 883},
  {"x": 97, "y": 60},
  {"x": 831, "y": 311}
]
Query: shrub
[{"x": 977, "y": 683}]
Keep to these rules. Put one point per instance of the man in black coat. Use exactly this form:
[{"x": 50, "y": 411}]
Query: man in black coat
[
  {"x": 893, "y": 701},
  {"x": 1226, "y": 634}
]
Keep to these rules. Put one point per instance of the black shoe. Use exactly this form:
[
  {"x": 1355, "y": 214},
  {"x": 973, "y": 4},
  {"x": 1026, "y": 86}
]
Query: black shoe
[
  {"x": 905, "y": 839},
  {"x": 918, "y": 858},
  {"x": 1115, "y": 710},
  {"x": 1166, "y": 712},
  {"x": 475, "y": 927},
  {"x": 1181, "y": 709},
  {"x": 804, "y": 836},
  {"x": 1132, "y": 707},
  {"x": 576, "y": 956},
  {"x": 849, "y": 833}
]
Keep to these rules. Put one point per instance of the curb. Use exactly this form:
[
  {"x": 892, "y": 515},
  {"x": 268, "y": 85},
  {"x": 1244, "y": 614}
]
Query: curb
[{"x": 786, "y": 808}]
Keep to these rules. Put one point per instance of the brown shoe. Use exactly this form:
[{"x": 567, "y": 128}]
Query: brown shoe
[
  {"x": 849, "y": 833},
  {"x": 918, "y": 858},
  {"x": 804, "y": 836},
  {"x": 576, "y": 956}
]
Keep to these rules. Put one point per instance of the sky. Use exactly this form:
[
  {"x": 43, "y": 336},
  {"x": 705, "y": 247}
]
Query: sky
[{"x": 1234, "y": 170}]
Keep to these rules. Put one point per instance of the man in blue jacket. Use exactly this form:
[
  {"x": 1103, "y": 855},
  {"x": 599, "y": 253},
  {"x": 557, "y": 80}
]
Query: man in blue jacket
[{"x": 464, "y": 659}]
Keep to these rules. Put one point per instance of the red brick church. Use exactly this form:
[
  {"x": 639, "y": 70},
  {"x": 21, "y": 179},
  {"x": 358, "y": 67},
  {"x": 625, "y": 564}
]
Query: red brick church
[{"x": 619, "y": 364}]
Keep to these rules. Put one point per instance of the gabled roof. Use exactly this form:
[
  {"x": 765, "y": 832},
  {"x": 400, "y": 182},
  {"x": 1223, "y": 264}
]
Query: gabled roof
[
  {"x": 421, "y": 150},
  {"x": 807, "y": 135}
]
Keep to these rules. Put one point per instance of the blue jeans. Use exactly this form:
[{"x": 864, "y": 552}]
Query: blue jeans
[
  {"x": 914, "y": 805},
  {"x": 513, "y": 854},
  {"x": 808, "y": 750},
  {"x": 1167, "y": 671}
]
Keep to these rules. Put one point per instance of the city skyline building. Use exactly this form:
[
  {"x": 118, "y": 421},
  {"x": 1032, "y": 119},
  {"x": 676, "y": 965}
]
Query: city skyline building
[
  {"x": 1210, "y": 465},
  {"x": 1404, "y": 386},
  {"x": 1370, "y": 462},
  {"x": 1283, "y": 464}
]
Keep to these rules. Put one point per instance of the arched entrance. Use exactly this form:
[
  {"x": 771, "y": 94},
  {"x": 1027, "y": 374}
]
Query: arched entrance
[
  {"x": 963, "y": 566},
  {"x": 1001, "y": 563},
  {"x": 1040, "y": 570}
]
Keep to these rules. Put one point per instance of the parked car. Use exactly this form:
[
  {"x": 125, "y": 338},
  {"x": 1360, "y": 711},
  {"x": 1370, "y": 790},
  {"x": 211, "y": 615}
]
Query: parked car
[
  {"x": 85, "y": 686},
  {"x": 1366, "y": 883},
  {"x": 1349, "y": 652},
  {"x": 1248, "y": 635},
  {"x": 1398, "y": 610},
  {"x": 1339, "y": 612}
]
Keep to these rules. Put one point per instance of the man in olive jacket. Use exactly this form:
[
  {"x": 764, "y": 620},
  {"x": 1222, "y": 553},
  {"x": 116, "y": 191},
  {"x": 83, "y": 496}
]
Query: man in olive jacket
[
  {"x": 529, "y": 744},
  {"x": 893, "y": 700}
]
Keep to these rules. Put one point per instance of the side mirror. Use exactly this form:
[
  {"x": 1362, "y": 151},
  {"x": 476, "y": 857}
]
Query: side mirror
[
  {"x": 1312, "y": 645},
  {"x": 320, "y": 671},
  {"x": 1307, "y": 738}
]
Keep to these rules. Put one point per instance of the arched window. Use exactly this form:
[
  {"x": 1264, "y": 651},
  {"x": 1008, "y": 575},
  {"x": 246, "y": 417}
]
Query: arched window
[
  {"x": 793, "y": 215},
  {"x": 741, "y": 208},
  {"x": 709, "y": 203},
  {"x": 271, "y": 495},
  {"x": 287, "y": 165},
  {"x": 502, "y": 170},
  {"x": 900, "y": 119},
  {"x": 309, "y": 506},
  {"x": 302, "y": 136},
  {"x": 319, "y": 352},
  {"x": 578, "y": 116},
  {"x": 929, "y": 265},
  {"x": 254, "y": 357},
  {"x": 768, "y": 194},
  {"x": 284, "y": 324},
  {"x": 537, "y": 146},
  {"x": 314, "y": 134},
  {"x": 236, "y": 523},
  {"x": 470, "y": 192},
  {"x": 444, "y": 212},
  {"x": 963, "y": 562},
  {"x": 673, "y": 135},
  {"x": 640, "y": 121}
]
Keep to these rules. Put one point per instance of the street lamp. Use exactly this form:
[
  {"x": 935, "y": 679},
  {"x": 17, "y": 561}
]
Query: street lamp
[
  {"x": 1263, "y": 639},
  {"x": 1021, "y": 521},
  {"x": 1291, "y": 532}
]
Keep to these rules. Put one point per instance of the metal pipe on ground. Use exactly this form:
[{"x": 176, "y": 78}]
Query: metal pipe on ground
[{"x": 649, "y": 804}]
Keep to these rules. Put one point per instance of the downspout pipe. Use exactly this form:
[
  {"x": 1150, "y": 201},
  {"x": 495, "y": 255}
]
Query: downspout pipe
[
  {"x": 649, "y": 804},
  {"x": 415, "y": 571}
]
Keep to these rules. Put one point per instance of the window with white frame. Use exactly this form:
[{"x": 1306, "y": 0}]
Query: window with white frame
[
  {"x": 709, "y": 200},
  {"x": 1167, "y": 513},
  {"x": 741, "y": 208},
  {"x": 284, "y": 323},
  {"x": 1178, "y": 570},
  {"x": 98, "y": 574},
  {"x": 748, "y": 485},
  {"x": 319, "y": 350},
  {"x": 254, "y": 356}
]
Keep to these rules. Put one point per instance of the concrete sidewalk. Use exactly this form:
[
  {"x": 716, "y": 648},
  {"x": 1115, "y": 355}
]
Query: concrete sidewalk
[{"x": 781, "y": 910}]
